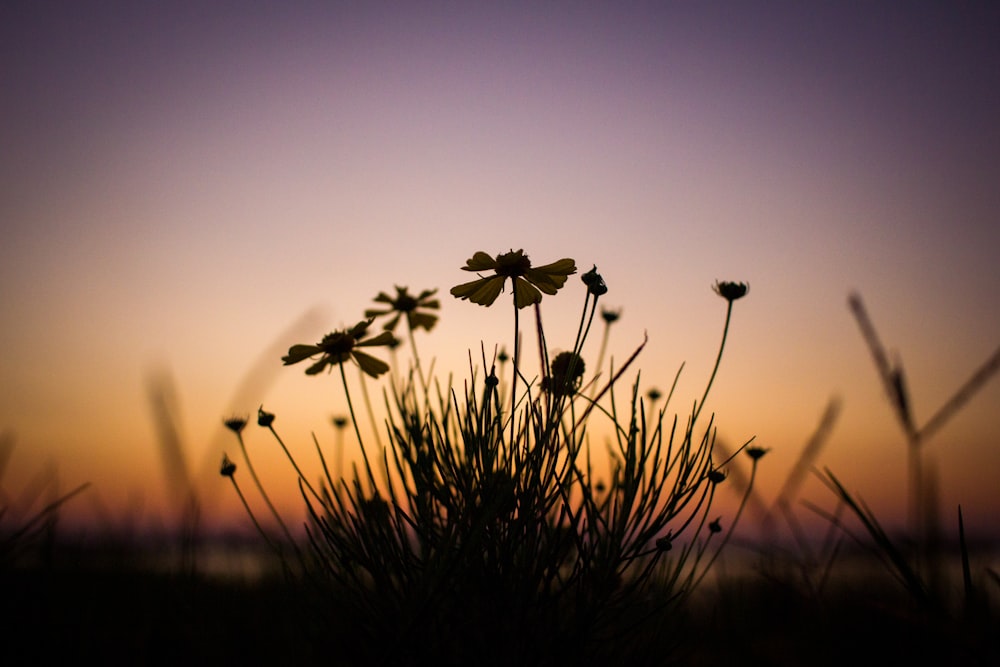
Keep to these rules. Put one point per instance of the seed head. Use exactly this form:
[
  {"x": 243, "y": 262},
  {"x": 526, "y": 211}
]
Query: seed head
[
  {"x": 235, "y": 424},
  {"x": 716, "y": 476},
  {"x": 594, "y": 282},
  {"x": 264, "y": 419},
  {"x": 731, "y": 291},
  {"x": 228, "y": 467}
]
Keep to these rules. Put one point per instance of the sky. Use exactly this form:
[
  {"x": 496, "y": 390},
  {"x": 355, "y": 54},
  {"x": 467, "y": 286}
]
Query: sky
[{"x": 187, "y": 190}]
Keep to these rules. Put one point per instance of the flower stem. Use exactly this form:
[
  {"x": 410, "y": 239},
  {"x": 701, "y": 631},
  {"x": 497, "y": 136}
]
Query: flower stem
[
  {"x": 294, "y": 464},
  {"x": 357, "y": 431},
  {"x": 253, "y": 518},
  {"x": 260, "y": 487},
  {"x": 715, "y": 369}
]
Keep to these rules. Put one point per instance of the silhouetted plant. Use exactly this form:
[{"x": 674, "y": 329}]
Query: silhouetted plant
[{"x": 489, "y": 536}]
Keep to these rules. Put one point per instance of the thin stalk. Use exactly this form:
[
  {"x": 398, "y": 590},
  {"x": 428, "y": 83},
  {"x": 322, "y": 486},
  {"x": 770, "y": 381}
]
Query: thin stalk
[
  {"x": 292, "y": 459},
  {"x": 715, "y": 369},
  {"x": 253, "y": 518},
  {"x": 357, "y": 431},
  {"x": 513, "y": 382},
  {"x": 260, "y": 487},
  {"x": 368, "y": 406}
]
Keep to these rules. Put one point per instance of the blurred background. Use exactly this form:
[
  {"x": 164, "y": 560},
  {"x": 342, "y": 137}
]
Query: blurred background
[{"x": 186, "y": 189}]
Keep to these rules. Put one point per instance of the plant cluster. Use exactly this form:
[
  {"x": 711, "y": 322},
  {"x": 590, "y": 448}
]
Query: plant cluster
[{"x": 485, "y": 533}]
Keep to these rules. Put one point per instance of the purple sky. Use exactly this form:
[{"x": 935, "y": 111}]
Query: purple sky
[{"x": 180, "y": 184}]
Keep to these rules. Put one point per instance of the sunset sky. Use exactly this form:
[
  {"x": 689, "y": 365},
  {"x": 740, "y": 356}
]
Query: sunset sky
[{"x": 186, "y": 191}]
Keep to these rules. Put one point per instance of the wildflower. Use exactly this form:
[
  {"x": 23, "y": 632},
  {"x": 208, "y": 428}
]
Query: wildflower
[
  {"x": 339, "y": 346},
  {"x": 406, "y": 304},
  {"x": 654, "y": 395},
  {"x": 665, "y": 543},
  {"x": 526, "y": 280},
  {"x": 264, "y": 419},
  {"x": 715, "y": 526},
  {"x": 755, "y": 452},
  {"x": 716, "y": 476},
  {"x": 731, "y": 291},
  {"x": 340, "y": 422},
  {"x": 565, "y": 374},
  {"x": 594, "y": 282},
  {"x": 235, "y": 424},
  {"x": 610, "y": 316},
  {"x": 228, "y": 468}
]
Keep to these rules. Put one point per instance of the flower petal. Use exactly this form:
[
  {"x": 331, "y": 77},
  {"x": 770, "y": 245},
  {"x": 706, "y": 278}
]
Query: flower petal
[
  {"x": 483, "y": 291},
  {"x": 421, "y": 320},
  {"x": 320, "y": 365},
  {"x": 551, "y": 277},
  {"x": 297, "y": 353},
  {"x": 370, "y": 364},
  {"x": 525, "y": 293},
  {"x": 384, "y": 338},
  {"x": 376, "y": 312},
  {"x": 565, "y": 267},
  {"x": 480, "y": 262}
]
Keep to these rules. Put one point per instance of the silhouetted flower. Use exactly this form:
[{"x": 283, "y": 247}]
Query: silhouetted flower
[
  {"x": 264, "y": 419},
  {"x": 235, "y": 424},
  {"x": 654, "y": 394},
  {"x": 716, "y": 476},
  {"x": 526, "y": 280},
  {"x": 665, "y": 543},
  {"x": 565, "y": 374},
  {"x": 756, "y": 452},
  {"x": 594, "y": 282},
  {"x": 715, "y": 526},
  {"x": 228, "y": 468},
  {"x": 406, "y": 304},
  {"x": 731, "y": 291},
  {"x": 611, "y": 316},
  {"x": 340, "y": 422},
  {"x": 338, "y": 347}
]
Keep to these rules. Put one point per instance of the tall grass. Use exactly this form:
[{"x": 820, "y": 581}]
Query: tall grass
[{"x": 485, "y": 533}]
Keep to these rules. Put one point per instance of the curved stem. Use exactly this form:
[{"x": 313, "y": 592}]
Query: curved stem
[
  {"x": 260, "y": 487},
  {"x": 732, "y": 526},
  {"x": 294, "y": 464},
  {"x": 253, "y": 518},
  {"x": 513, "y": 382},
  {"x": 715, "y": 369},
  {"x": 357, "y": 431}
]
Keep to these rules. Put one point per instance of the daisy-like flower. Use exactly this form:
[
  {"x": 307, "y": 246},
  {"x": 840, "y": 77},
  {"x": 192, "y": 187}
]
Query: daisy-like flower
[
  {"x": 339, "y": 346},
  {"x": 406, "y": 304},
  {"x": 528, "y": 282}
]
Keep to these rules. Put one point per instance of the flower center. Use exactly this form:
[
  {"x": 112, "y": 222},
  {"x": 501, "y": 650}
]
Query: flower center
[
  {"x": 405, "y": 303},
  {"x": 513, "y": 264},
  {"x": 337, "y": 343}
]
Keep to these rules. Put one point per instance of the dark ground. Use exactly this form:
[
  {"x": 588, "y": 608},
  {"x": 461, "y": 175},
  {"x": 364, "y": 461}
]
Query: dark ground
[{"x": 123, "y": 616}]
